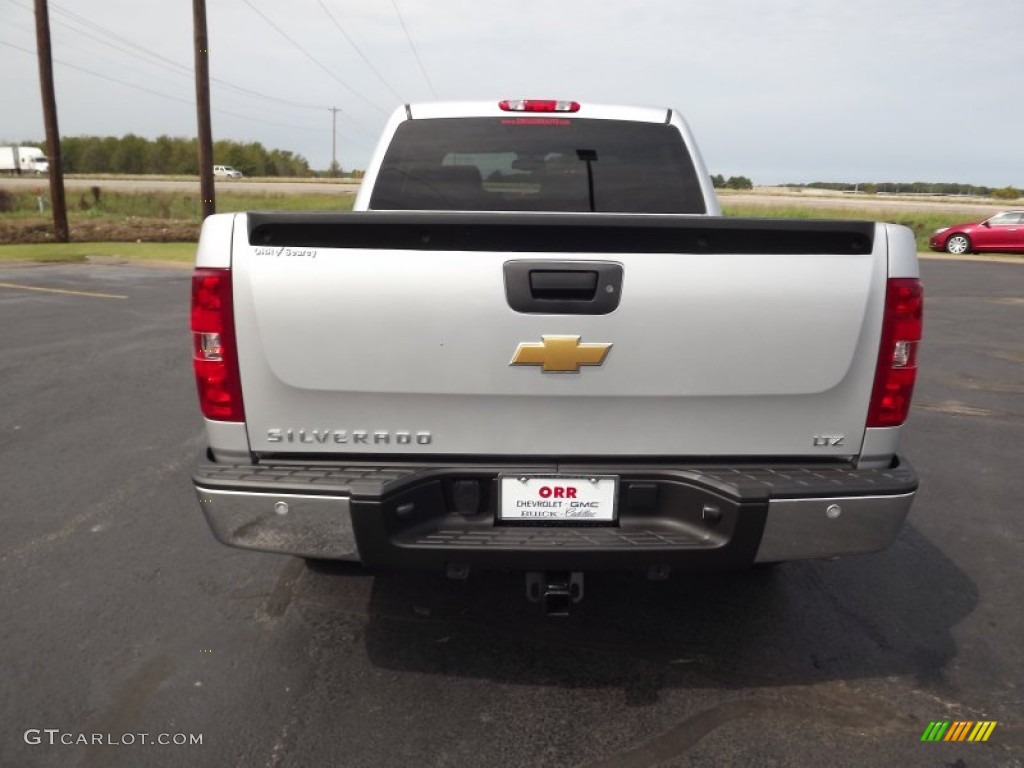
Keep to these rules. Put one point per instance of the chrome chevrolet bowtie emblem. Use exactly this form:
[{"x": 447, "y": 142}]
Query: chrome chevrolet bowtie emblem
[{"x": 560, "y": 354}]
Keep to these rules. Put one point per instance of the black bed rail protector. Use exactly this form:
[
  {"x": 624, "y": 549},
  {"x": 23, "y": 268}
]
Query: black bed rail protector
[
  {"x": 748, "y": 483},
  {"x": 556, "y": 233}
]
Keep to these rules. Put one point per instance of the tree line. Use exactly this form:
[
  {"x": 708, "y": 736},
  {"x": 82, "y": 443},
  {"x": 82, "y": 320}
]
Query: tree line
[
  {"x": 893, "y": 187},
  {"x": 733, "y": 182},
  {"x": 170, "y": 155},
  {"x": 916, "y": 187}
]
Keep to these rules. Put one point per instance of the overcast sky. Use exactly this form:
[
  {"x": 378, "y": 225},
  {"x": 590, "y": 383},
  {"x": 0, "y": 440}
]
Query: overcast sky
[{"x": 780, "y": 91}]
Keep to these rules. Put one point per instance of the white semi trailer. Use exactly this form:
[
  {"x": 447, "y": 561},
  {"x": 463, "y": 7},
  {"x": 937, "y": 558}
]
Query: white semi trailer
[{"x": 23, "y": 160}]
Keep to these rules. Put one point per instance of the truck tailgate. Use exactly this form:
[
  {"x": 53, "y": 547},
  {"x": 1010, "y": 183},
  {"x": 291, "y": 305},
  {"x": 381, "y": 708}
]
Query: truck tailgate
[{"x": 388, "y": 334}]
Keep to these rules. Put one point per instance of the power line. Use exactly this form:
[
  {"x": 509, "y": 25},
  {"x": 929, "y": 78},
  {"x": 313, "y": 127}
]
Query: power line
[
  {"x": 312, "y": 58},
  {"x": 157, "y": 59},
  {"x": 180, "y": 67},
  {"x": 79, "y": 31},
  {"x": 81, "y": 20},
  {"x": 143, "y": 88},
  {"x": 355, "y": 124},
  {"x": 219, "y": 111},
  {"x": 102, "y": 76},
  {"x": 11, "y": 24},
  {"x": 171, "y": 63},
  {"x": 177, "y": 69},
  {"x": 115, "y": 47},
  {"x": 412, "y": 45},
  {"x": 357, "y": 50},
  {"x": 258, "y": 95}
]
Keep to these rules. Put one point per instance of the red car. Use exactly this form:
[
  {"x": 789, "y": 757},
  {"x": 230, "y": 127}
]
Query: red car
[{"x": 1004, "y": 232}]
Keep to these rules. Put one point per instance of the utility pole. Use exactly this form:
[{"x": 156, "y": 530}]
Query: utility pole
[
  {"x": 205, "y": 138},
  {"x": 60, "y": 210},
  {"x": 334, "y": 140}
]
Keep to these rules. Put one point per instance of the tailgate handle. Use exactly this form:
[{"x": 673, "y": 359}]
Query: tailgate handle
[
  {"x": 564, "y": 285},
  {"x": 550, "y": 287}
]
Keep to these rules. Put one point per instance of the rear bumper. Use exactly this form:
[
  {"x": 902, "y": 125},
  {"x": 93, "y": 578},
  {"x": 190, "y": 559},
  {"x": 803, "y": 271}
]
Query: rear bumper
[{"x": 431, "y": 516}]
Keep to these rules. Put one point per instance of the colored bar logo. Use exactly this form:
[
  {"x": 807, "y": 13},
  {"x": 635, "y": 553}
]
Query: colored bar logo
[{"x": 959, "y": 730}]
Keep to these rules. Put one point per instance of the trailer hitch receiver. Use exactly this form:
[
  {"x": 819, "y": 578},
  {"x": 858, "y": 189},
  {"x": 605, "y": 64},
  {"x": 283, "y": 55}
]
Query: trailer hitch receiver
[{"x": 555, "y": 590}]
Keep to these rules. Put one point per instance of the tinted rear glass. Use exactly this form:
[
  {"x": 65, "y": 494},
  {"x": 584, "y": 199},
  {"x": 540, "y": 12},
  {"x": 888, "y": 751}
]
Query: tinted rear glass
[{"x": 537, "y": 164}]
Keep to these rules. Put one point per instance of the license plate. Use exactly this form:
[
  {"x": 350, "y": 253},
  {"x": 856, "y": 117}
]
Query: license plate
[{"x": 551, "y": 499}]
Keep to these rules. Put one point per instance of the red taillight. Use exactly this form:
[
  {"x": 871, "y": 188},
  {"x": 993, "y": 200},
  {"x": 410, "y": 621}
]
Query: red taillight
[
  {"x": 214, "y": 354},
  {"x": 538, "y": 105},
  {"x": 896, "y": 370}
]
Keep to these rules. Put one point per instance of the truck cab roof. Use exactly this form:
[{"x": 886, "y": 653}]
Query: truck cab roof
[{"x": 493, "y": 108}]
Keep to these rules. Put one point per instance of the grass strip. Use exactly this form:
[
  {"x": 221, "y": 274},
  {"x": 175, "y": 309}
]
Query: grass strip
[
  {"x": 80, "y": 252},
  {"x": 101, "y": 203}
]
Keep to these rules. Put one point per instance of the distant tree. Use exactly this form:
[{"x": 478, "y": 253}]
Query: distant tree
[
  {"x": 739, "y": 182},
  {"x": 185, "y": 157},
  {"x": 285, "y": 163},
  {"x": 95, "y": 155},
  {"x": 160, "y": 155},
  {"x": 718, "y": 181},
  {"x": 129, "y": 155},
  {"x": 108, "y": 146},
  {"x": 252, "y": 158},
  {"x": 895, "y": 187},
  {"x": 67, "y": 154}
]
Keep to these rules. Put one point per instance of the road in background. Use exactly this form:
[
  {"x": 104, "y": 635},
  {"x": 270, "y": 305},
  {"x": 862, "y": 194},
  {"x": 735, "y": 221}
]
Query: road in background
[
  {"x": 144, "y": 184},
  {"x": 122, "y": 615},
  {"x": 764, "y": 196}
]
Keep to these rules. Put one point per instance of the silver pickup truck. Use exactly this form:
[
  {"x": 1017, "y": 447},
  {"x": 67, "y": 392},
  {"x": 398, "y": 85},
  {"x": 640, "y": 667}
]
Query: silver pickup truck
[{"x": 536, "y": 345}]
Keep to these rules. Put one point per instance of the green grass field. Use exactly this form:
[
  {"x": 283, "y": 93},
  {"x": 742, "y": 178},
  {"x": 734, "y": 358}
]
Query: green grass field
[
  {"x": 72, "y": 252},
  {"x": 173, "y": 205},
  {"x": 134, "y": 226}
]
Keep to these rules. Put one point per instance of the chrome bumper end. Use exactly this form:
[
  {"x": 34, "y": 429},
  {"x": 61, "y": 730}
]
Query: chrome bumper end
[
  {"x": 801, "y": 529},
  {"x": 307, "y": 526}
]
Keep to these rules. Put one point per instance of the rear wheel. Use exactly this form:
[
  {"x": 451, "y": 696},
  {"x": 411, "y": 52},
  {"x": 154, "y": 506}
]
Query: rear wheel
[{"x": 958, "y": 244}]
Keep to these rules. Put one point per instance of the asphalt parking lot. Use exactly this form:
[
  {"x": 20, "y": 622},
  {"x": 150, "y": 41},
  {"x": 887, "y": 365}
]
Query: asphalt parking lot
[{"x": 121, "y": 615}]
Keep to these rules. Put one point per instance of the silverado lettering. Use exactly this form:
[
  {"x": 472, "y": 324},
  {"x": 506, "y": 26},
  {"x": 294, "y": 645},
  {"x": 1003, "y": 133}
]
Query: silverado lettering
[{"x": 342, "y": 436}]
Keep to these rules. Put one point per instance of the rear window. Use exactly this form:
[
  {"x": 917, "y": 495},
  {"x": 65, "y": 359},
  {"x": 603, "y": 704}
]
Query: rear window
[{"x": 536, "y": 163}]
